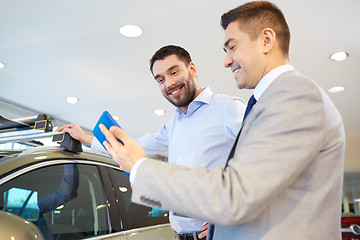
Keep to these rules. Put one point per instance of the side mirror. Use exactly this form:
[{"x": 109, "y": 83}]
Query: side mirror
[{"x": 15, "y": 227}]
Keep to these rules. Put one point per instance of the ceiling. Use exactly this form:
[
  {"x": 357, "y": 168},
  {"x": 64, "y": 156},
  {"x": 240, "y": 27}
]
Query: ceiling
[{"x": 55, "y": 49}]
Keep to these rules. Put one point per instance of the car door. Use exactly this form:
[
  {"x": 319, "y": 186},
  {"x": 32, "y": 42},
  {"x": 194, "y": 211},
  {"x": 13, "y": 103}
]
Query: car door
[
  {"x": 141, "y": 222},
  {"x": 65, "y": 200}
]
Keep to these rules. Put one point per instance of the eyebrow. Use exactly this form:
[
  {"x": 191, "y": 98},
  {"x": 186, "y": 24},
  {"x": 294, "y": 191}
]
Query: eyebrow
[{"x": 169, "y": 69}]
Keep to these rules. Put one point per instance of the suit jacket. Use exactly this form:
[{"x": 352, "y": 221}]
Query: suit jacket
[{"x": 283, "y": 180}]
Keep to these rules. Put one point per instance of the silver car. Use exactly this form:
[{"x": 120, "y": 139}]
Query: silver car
[{"x": 59, "y": 194}]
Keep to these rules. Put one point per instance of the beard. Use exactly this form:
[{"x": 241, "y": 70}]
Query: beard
[{"x": 188, "y": 95}]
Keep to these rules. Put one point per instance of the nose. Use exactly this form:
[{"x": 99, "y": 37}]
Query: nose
[
  {"x": 228, "y": 61},
  {"x": 169, "y": 81}
]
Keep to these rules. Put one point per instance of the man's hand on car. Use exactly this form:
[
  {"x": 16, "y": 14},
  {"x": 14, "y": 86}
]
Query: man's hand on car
[{"x": 77, "y": 133}]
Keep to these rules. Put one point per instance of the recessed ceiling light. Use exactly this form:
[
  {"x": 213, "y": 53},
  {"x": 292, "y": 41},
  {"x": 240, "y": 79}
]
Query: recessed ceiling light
[
  {"x": 159, "y": 112},
  {"x": 2, "y": 65},
  {"x": 339, "y": 56},
  {"x": 336, "y": 89},
  {"x": 72, "y": 100},
  {"x": 131, "y": 31}
]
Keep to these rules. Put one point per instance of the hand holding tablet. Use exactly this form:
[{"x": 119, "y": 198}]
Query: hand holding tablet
[{"x": 108, "y": 121}]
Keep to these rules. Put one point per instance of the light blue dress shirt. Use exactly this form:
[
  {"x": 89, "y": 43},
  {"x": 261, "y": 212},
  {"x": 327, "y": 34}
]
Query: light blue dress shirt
[{"x": 203, "y": 137}]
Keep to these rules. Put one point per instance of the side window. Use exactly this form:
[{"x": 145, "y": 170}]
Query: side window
[
  {"x": 139, "y": 215},
  {"x": 64, "y": 201}
]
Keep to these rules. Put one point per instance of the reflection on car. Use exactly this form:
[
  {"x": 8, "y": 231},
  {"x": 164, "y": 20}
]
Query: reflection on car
[{"x": 71, "y": 195}]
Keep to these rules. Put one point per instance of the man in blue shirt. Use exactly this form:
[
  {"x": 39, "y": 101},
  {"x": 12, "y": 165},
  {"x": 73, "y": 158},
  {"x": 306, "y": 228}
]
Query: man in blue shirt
[{"x": 200, "y": 134}]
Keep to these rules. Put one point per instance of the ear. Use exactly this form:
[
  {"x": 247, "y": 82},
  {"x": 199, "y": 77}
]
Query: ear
[
  {"x": 269, "y": 38},
  {"x": 192, "y": 69}
]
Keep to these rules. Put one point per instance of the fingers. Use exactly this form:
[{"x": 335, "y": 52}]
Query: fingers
[
  {"x": 68, "y": 126},
  {"x": 66, "y": 129},
  {"x": 76, "y": 132},
  {"x": 204, "y": 229},
  {"x": 119, "y": 133},
  {"x": 60, "y": 129},
  {"x": 110, "y": 136},
  {"x": 109, "y": 148},
  {"x": 112, "y": 145},
  {"x": 203, "y": 234},
  {"x": 126, "y": 154}
]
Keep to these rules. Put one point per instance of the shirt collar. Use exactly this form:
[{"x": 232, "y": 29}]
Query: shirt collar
[
  {"x": 203, "y": 98},
  {"x": 265, "y": 82}
]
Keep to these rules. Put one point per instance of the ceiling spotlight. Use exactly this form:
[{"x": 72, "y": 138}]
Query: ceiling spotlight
[
  {"x": 336, "y": 89},
  {"x": 339, "y": 56},
  {"x": 159, "y": 112},
  {"x": 72, "y": 100},
  {"x": 2, "y": 65},
  {"x": 131, "y": 31}
]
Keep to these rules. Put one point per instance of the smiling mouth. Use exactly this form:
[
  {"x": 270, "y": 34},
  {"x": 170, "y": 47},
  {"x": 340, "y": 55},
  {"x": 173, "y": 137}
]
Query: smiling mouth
[
  {"x": 173, "y": 92},
  {"x": 236, "y": 69}
]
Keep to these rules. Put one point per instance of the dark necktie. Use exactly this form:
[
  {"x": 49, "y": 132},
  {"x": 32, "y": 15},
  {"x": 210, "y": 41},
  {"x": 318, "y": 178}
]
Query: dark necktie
[{"x": 250, "y": 104}]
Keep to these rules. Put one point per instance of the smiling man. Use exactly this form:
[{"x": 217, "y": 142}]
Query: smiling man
[
  {"x": 200, "y": 134},
  {"x": 283, "y": 178},
  {"x": 203, "y": 129},
  {"x": 176, "y": 76}
]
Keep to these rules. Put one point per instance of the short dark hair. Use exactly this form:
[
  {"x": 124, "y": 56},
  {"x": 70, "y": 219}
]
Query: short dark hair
[
  {"x": 168, "y": 50},
  {"x": 255, "y": 17}
]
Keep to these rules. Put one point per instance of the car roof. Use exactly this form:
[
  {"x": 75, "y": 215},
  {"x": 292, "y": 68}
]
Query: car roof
[{"x": 12, "y": 160}]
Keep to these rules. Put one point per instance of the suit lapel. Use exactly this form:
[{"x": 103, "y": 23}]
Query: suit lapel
[{"x": 232, "y": 152}]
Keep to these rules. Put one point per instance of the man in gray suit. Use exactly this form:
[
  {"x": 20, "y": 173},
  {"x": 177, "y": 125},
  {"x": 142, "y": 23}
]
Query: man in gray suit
[{"x": 283, "y": 179}]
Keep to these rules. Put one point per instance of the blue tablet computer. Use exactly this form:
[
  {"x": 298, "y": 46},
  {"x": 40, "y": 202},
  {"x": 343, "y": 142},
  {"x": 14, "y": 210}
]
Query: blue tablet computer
[{"x": 108, "y": 121}]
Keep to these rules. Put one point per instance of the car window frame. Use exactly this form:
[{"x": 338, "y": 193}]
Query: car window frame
[{"x": 103, "y": 174}]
